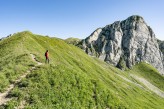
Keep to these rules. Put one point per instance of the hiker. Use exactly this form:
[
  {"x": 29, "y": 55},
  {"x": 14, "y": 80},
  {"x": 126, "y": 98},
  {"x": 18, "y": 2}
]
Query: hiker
[{"x": 47, "y": 57}]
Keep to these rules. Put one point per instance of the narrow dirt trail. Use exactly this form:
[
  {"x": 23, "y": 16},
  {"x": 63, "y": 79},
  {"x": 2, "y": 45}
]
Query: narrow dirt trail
[
  {"x": 22, "y": 105},
  {"x": 3, "y": 96},
  {"x": 34, "y": 59},
  {"x": 149, "y": 85}
]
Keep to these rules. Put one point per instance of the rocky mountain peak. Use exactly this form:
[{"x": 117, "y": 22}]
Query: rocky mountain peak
[
  {"x": 125, "y": 43},
  {"x": 135, "y": 18}
]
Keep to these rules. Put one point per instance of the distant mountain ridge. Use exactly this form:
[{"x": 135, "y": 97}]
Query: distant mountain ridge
[
  {"x": 125, "y": 43},
  {"x": 72, "y": 40}
]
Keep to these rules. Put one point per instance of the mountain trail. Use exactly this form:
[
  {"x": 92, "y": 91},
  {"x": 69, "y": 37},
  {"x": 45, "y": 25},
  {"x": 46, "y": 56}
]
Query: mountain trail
[
  {"x": 130, "y": 81},
  {"x": 34, "y": 59},
  {"x": 3, "y": 96},
  {"x": 149, "y": 85},
  {"x": 22, "y": 105}
]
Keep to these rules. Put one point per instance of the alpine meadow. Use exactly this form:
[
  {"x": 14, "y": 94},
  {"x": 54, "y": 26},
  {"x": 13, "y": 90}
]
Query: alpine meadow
[{"x": 73, "y": 79}]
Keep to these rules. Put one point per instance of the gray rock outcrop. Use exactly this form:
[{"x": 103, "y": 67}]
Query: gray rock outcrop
[
  {"x": 2, "y": 38},
  {"x": 5, "y": 37},
  {"x": 161, "y": 47},
  {"x": 125, "y": 42}
]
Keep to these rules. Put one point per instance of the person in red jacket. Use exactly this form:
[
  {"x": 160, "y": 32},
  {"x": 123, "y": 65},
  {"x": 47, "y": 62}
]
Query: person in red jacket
[{"x": 47, "y": 57}]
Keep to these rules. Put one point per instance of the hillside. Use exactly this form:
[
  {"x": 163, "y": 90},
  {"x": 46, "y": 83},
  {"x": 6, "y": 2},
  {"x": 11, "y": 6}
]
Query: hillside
[
  {"x": 72, "y": 80},
  {"x": 72, "y": 40}
]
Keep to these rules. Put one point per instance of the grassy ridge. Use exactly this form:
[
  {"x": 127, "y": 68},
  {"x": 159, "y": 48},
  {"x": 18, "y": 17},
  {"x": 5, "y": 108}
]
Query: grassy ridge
[
  {"x": 72, "y": 40},
  {"x": 14, "y": 60},
  {"x": 72, "y": 79}
]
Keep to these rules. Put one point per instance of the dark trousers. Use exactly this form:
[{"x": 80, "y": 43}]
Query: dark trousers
[{"x": 47, "y": 60}]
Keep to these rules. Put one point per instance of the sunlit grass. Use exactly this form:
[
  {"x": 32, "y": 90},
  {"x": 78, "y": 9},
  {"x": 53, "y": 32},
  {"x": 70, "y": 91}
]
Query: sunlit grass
[{"x": 72, "y": 80}]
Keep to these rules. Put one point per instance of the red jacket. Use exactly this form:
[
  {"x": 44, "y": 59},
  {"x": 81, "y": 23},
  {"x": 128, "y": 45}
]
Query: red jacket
[{"x": 46, "y": 54}]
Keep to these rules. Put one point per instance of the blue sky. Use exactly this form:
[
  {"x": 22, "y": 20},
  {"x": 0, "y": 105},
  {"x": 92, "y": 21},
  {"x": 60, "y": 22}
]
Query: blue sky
[{"x": 75, "y": 18}]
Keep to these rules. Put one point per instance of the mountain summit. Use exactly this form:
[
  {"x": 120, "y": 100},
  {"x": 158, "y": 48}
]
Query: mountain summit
[{"x": 125, "y": 43}]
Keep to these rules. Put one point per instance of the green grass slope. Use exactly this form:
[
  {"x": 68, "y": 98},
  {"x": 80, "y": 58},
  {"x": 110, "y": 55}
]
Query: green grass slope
[
  {"x": 72, "y": 80},
  {"x": 149, "y": 73},
  {"x": 72, "y": 40}
]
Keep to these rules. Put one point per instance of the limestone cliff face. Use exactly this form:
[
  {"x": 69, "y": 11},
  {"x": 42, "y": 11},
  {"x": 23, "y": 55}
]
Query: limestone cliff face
[
  {"x": 161, "y": 47},
  {"x": 130, "y": 41}
]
